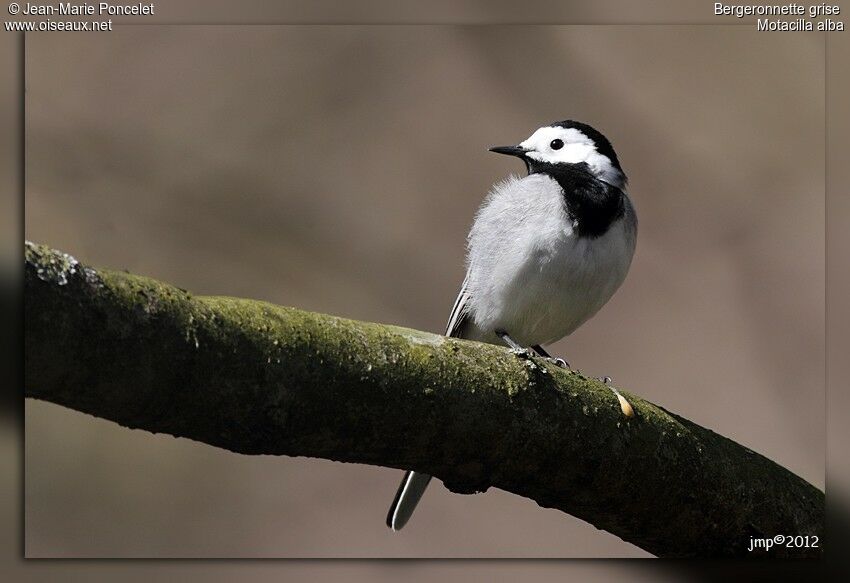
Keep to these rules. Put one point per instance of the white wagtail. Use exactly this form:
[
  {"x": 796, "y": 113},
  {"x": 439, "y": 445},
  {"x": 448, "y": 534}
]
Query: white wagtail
[{"x": 545, "y": 253}]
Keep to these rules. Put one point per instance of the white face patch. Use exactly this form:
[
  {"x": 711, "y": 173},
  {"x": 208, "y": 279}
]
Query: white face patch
[{"x": 577, "y": 148}]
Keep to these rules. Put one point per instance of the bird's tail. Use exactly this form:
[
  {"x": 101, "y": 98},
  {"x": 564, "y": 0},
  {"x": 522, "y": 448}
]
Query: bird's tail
[{"x": 409, "y": 492}]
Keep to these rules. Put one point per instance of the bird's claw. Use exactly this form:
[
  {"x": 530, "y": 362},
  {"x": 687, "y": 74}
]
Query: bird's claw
[
  {"x": 522, "y": 353},
  {"x": 559, "y": 362}
]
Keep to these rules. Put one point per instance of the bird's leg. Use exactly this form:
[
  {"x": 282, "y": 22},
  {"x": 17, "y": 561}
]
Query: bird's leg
[
  {"x": 625, "y": 406},
  {"x": 554, "y": 360},
  {"x": 514, "y": 346}
]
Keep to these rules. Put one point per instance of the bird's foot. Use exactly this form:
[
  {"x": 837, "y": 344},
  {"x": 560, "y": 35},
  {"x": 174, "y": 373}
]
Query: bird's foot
[
  {"x": 625, "y": 406},
  {"x": 559, "y": 362},
  {"x": 506, "y": 338},
  {"x": 516, "y": 348},
  {"x": 523, "y": 353}
]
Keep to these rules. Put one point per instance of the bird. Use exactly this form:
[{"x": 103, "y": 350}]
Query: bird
[{"x": 545, "y": 252}]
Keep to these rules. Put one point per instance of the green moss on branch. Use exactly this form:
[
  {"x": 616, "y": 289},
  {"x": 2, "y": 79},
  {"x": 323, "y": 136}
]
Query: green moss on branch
[{"x": 255, "y": 378}]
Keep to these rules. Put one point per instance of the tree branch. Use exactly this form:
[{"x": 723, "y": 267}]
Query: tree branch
[{"x": 255, "y": 378}]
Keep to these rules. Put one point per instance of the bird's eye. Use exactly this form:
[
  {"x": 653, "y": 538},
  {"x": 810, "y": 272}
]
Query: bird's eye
[{"x": 556, "y": 144}]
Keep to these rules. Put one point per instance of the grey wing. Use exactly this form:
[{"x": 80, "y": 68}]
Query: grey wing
[
  {"x": 414, "y": 483},
  {"x": 459, "y": 317}
]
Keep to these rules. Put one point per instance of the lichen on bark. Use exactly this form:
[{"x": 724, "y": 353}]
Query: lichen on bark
[{"x": 255, "y": 378}]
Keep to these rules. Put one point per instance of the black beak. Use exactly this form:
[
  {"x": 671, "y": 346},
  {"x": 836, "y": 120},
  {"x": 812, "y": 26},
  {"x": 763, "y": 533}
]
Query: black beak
[{"x": 517, "y": 151}]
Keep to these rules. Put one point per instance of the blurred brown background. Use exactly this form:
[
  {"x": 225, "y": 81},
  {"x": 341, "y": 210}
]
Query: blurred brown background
[{"x": 337, "y": 169}]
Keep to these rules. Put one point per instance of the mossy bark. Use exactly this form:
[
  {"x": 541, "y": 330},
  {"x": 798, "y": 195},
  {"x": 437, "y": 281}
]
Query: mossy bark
[{"x": 255, "y": 378}]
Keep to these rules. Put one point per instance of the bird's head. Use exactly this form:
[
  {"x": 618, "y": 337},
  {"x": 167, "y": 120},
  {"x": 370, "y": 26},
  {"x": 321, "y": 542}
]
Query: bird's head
[{"x": 568, "y": 143}]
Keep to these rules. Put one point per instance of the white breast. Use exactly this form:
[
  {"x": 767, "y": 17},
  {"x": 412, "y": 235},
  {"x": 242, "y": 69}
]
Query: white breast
[{"x": 529, "y": 274}]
